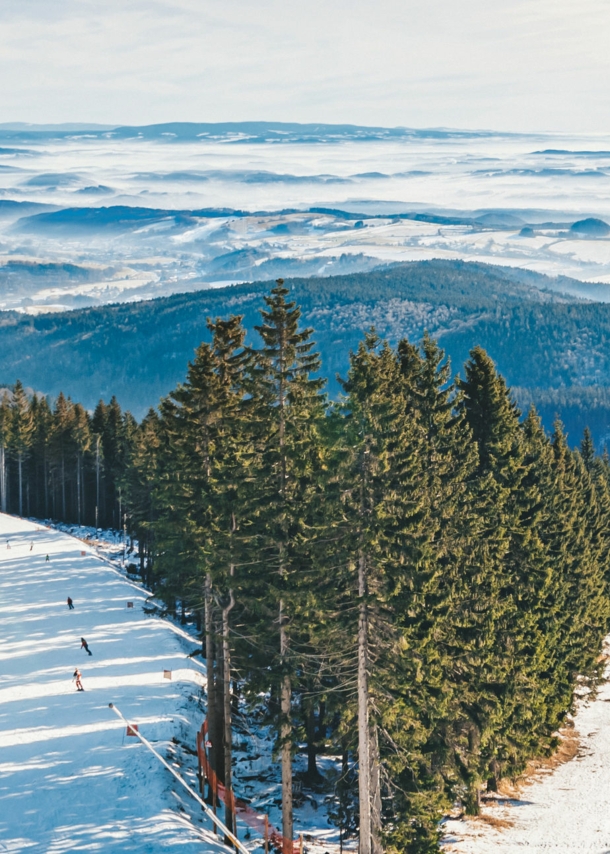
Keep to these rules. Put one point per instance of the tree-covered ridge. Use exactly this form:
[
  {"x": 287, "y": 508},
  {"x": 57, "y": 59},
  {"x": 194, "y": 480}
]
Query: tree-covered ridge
[
  {"x": 415, "y": 578},
  {"x": 538, "y": 333}
]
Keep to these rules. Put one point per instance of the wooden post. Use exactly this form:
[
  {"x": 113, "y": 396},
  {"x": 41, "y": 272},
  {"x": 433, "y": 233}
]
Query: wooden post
[
  {"x": 300, "y": 843},
  {"x": 266, "y": 834}
]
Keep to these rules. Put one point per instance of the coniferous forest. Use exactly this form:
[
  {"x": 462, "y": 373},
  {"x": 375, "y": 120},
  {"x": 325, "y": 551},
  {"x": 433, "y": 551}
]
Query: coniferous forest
[{"x": 413, "y": 578}]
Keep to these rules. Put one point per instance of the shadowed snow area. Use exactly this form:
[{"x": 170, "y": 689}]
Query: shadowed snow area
[
  {"x": 565, "y": 810},
  {"x": 70, "y": 779}
]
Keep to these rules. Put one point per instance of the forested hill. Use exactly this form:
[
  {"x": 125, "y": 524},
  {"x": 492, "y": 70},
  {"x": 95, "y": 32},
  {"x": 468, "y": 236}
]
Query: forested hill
[{"x": 551, "y": 346}]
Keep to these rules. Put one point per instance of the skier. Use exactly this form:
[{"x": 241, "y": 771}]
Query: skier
[
  {"x": 31, "y": 546},
  {"x": 85, "y": 645},
  {"x": 70, "y": 604},
  {"x": 46, "y": 558},
  {"x": 76, "y": 675}
]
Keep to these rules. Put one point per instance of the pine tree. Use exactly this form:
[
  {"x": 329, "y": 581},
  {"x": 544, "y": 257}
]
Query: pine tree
[
  {"x": 21, "y": 431},
  {"x": 287, "y": 409},
  {"x": 5, "y": 441},
  {"x": 587, "y": 449}
]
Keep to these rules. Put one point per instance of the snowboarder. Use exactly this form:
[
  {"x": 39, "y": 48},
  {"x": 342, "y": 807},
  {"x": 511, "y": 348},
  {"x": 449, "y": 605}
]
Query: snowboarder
[
  {"x": 31, "y": 546},
  {"x": 76, "y": 675},
  {"x": 70, "y": 604},
  {"x": 85, "y": 645}
]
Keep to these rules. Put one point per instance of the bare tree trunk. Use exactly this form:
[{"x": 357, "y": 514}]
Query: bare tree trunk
[
  {"x": 219, "y": 682},
  {"x": 310, "y": 728},
  {"x": 63, "y": 487},
  {"x": 2, "y": 479},
  {"x": 209, "y": 659},
  {"x": 364, "y": 747},
  {"x": 20, "y": 458},
  {"x": 82, "y": 486},
  {"x": 286, "y": 733},
  {"x": 78, "y": 491},
  {"x": 45, "y": 471},
  {"x": 375, "y": 790},
  {"x": 227, "y": 735}
]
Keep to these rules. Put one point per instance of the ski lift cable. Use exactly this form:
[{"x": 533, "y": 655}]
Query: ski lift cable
[{"x": 242, "y": 848}]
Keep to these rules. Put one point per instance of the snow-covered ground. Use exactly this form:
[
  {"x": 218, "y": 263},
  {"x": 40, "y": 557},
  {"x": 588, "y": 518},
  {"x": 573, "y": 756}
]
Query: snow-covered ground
[
  {"x": 70, "y": 777},
  {"x": 565, "y": 809}
]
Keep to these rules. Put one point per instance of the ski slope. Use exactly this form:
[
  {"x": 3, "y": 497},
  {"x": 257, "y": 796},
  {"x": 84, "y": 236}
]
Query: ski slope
[{"x": 70, "y": 779}]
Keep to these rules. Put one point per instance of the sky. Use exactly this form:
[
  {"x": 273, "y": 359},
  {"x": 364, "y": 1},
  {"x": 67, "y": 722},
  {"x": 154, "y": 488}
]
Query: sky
[{"x": 513, "y": 65}]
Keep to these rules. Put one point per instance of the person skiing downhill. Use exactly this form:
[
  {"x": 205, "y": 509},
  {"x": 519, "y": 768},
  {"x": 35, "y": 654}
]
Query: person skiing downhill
[
  {"x": 70, "y": 604},
  {"x": 76, "y": 675},
  {"x": 85, "y": 645}
]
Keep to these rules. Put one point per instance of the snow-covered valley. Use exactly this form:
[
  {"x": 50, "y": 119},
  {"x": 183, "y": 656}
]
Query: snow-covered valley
[{"x": 102, "y": 216}]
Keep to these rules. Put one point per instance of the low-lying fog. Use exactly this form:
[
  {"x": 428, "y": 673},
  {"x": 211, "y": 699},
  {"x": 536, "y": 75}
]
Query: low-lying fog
[{"x": 186, "y": 211}]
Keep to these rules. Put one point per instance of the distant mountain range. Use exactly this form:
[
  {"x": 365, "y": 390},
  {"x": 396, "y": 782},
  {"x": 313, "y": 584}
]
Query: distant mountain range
[
  {"x": 551, "y": 346},
  {"x": 252, "y": 131}
]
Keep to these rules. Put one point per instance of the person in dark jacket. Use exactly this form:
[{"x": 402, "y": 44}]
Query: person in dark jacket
[
  {"x": 85, "y": 645},
  {"x": 70, "y": 604}
]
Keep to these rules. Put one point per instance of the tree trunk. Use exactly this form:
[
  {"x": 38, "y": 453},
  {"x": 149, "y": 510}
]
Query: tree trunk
[
  {"x": 45, "y": 472},
  {"x": 312, "y": 768},
  {"x": 285, "y": 734},
  {"x": 63, "y": 487},
  {"x": 209, "y": 666},
  {"x": 364, "y": 746},
  {"x": 219, "y": 682},
  {"x": 78, "y": 497},
  {"x": 375, "y": 790},
  {"x": 2, "y": 479},
  {"x": 82, "y": 484},
  {"x": 227, "y": 739},
  {"x": 20, "y": 458}
]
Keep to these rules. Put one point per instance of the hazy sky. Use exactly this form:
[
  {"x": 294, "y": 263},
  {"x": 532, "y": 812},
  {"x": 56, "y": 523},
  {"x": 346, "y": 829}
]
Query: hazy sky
[{"x": 503, "y": 64}]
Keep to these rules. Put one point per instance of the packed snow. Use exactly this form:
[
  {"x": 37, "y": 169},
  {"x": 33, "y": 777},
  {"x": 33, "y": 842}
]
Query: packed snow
[{"x": 71, "y": 779}]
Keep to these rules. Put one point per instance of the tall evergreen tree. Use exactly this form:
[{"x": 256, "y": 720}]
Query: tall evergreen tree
[
  {"x": 287, "y": 410},
  {"x": 21, "y": 429}
]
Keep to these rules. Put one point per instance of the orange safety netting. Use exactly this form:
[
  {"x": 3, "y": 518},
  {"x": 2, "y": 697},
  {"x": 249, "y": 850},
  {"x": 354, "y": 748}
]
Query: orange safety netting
[{"x": 257, "y": 821}]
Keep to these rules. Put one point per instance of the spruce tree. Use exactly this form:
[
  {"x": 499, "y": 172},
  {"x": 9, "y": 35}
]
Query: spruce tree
[
  {"x": 5, "y": 441},
  {"x": 21, "y": 431},
  {"x": 287, "y": 410}
]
